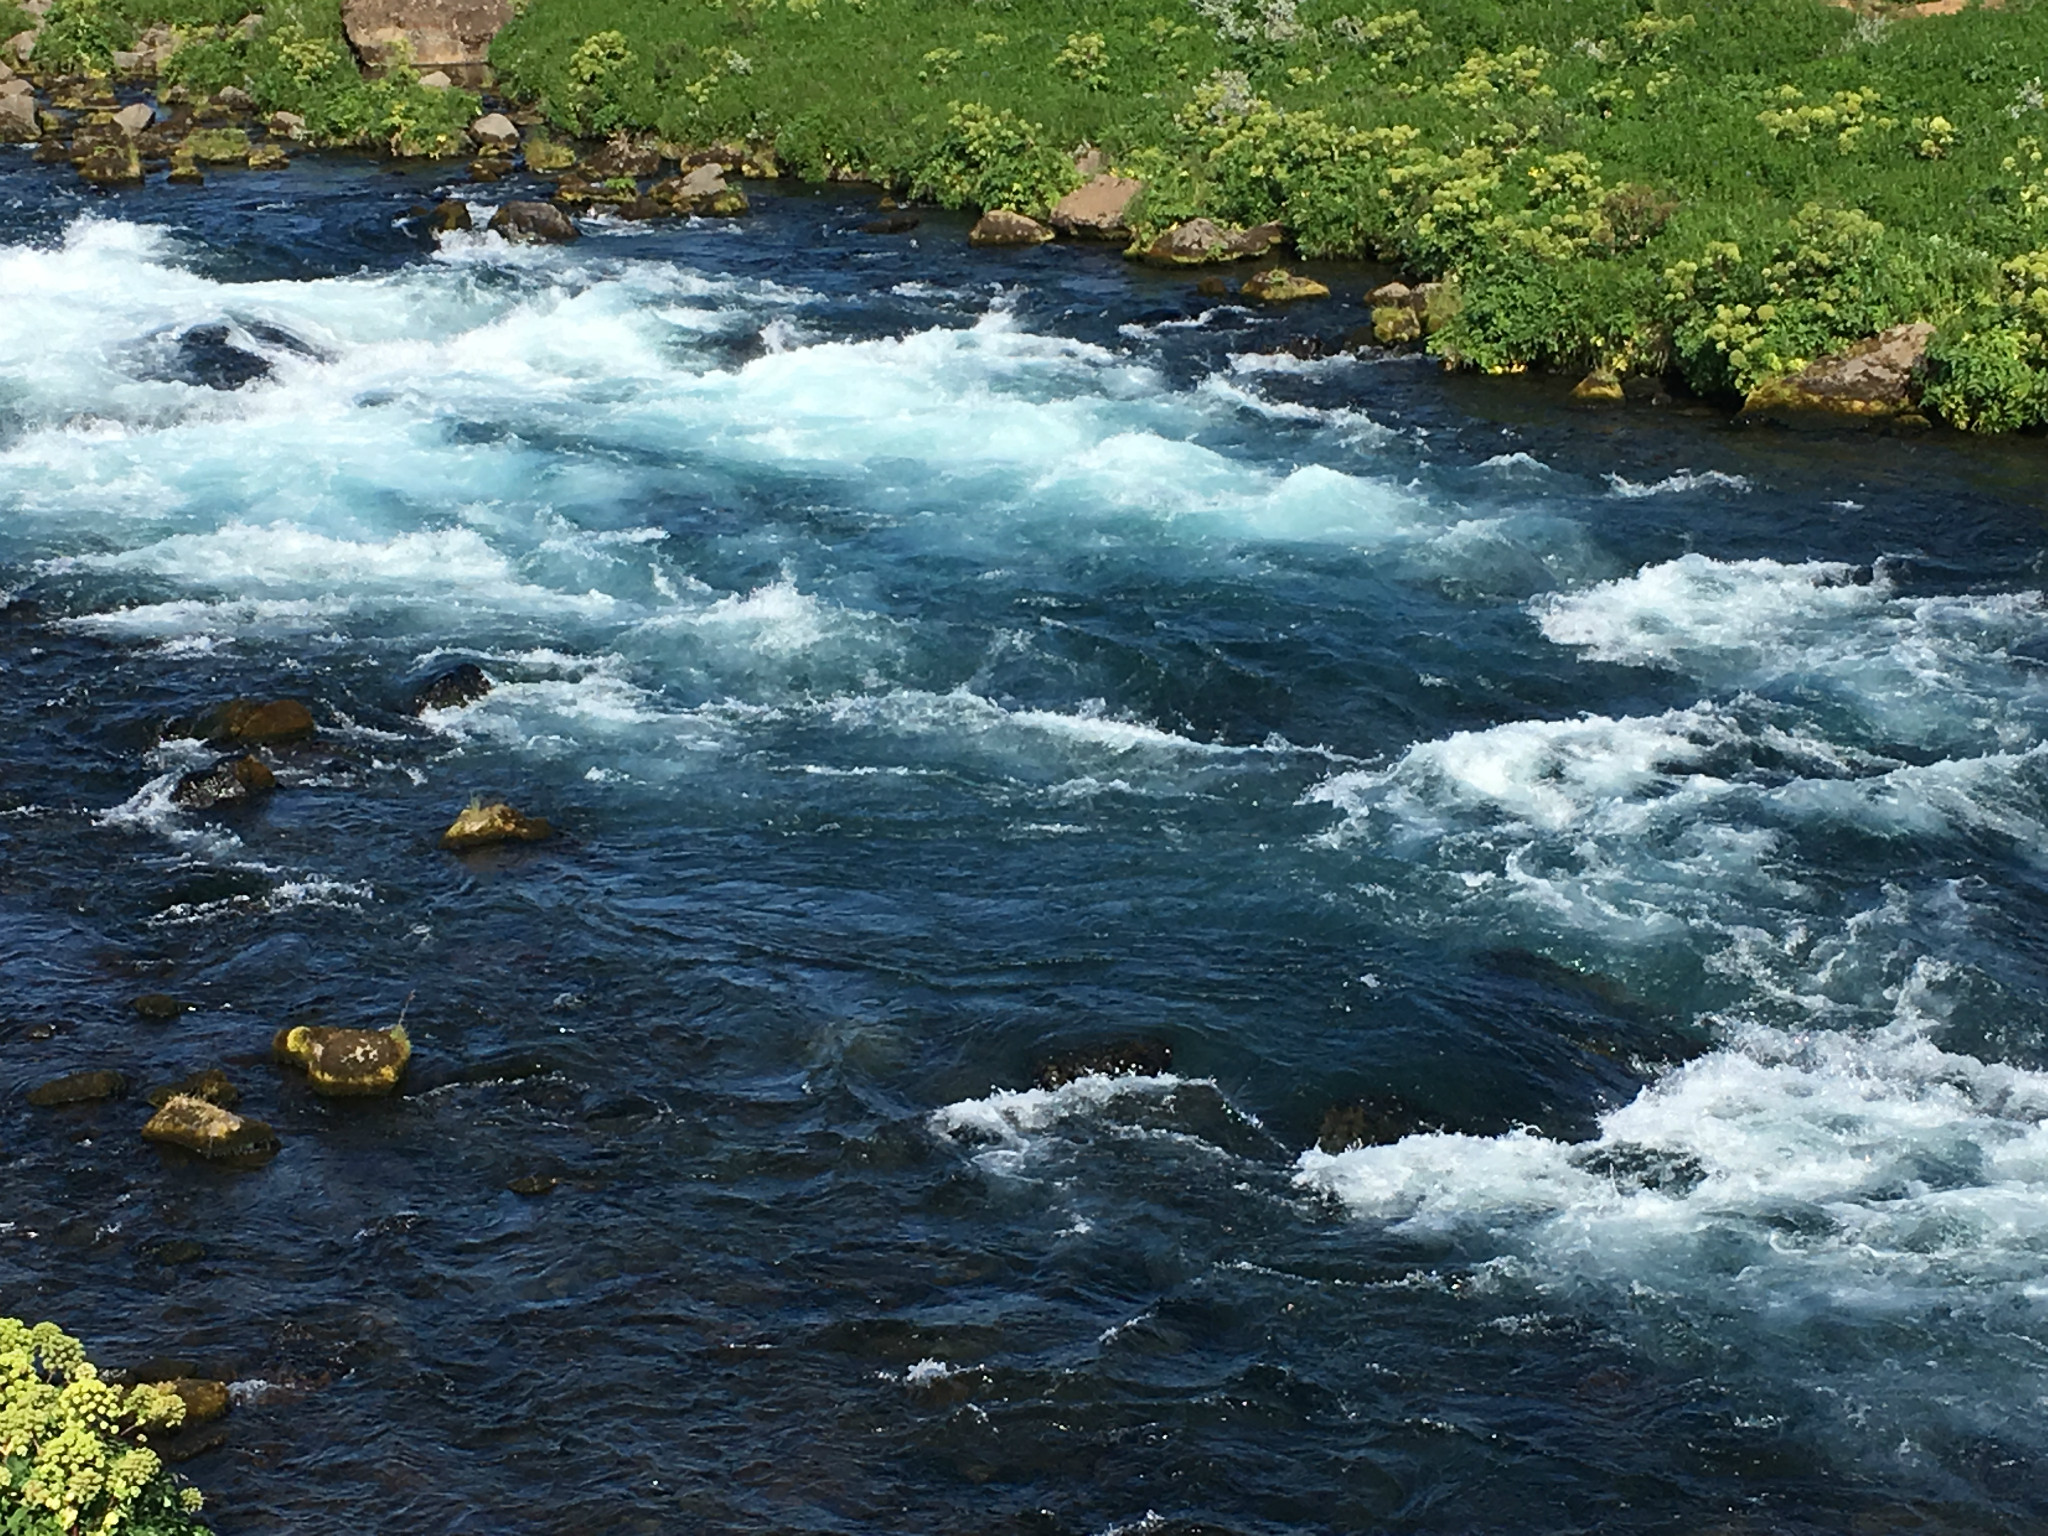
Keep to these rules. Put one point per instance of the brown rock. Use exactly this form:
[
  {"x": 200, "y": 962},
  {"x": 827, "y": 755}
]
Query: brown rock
[
  {"x": 346, "y": 1063},
  {"x": 253, "y": 722},
  {"x": 494, "y": 130},
  {"x": 1276, "y": 285},
  {"x": 1097, "y": 210},
  {"x": 1600, "y": 387},
  {"x": 158, "y": 1007},
  {"x": 209, "y": 1130},
  {"x": 1203, "y": 240},
  {"x": 449, "y": 215},
  {"x": 435, "y": 34},
  {"x": 1872, "y": 380},
  {"x": 534, "y": 1185},
  {"x": 692, "y": 192},
  {"x": 78, "y": 1088},
  {"x": 534, "y": 222},
  {"x": 212, "y": 1085},
  {"x": 110, "y": 165},
  {"x": 231, "y": 781},
  {"x": 479, "y": 826},
  {"x": 1005, "y": 227},
  {"x": 286, "y": 125},
  {"x": 135, "y": 117}
]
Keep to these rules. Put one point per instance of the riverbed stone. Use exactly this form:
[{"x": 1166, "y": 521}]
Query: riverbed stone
[
  {"x": 450, "y": 215},
  {"x": 18, "y": 119},
  {"x": 533, "y": 222},
  {"x": 268, "y": 157},
  {"x": 110, "y": 165},
  {"x": 481, "y": 826},
  {"x": 346, "y": 1063},
  {"x": 158, "y": 1007},
  {"x": 1117, "y": 1058},
  {"x": 204, "y": 1400},
  {"x": 1006, "y": 227},
  {"x": 1600, "y": 387},
  {"x": 452, "y": 36},
  {"x": 464, "y": 683},
  {"x": 210, "y": 1084},
  {"x": 253, "y": 723},
  {"x": 209, "y": 1130},
  {"x": 231, "y": 781},
  {"x": 1371, "y": 1122},
  {"x": 1097, "y": 210},
  {"x": 134, "y": 117},
  {"x": 1277, "y": 285},
  {"x": 1874, "y": 379},
  {"x": 78, "y": 1088}
]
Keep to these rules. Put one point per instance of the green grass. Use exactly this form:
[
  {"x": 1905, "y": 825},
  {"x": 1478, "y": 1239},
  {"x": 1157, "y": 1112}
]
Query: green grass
[{"x": 1727, "y": 188}]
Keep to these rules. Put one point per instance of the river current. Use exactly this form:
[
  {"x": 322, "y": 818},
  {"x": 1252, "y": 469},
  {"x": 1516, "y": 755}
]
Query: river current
[{"x": 936, "y": 661}]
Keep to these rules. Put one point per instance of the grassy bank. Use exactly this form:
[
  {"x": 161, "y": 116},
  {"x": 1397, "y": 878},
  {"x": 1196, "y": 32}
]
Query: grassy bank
[{"x": 1721, "y": 188}]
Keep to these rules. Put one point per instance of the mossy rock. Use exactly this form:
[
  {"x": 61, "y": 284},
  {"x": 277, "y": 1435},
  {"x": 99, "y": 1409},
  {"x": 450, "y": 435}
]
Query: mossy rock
[
  {"x": 78, "y": 1088},
  {"x": 210, "y": 1131},
  {"x": 1277, "y": 285},
  {"x": 346, "y": 1063},
  {"x": 545, "y": 156},
  {"x": 218, "y": 146},
  {"x": 480, "y": 826},
  {"x": 252, "y": 722},
  {"x": 211, "y": 1084}
]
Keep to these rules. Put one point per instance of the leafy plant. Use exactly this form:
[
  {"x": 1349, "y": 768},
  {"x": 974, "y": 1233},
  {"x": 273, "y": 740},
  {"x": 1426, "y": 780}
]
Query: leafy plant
[
  {"x": 993, "y": 159},
  {"x": 70, "y": 1461}
]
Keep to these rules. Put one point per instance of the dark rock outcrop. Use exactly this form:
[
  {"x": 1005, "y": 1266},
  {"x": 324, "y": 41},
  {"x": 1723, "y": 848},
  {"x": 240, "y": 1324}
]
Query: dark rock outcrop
[
  {"x": 1120, "y": 1058},
  {"x": 462, "y": 684},
  {"x": 1372, "y": 1122},
  {"x": 450, "y": 214},
  {"x": 231, "y": 781},
  {"x": 534, "y": 222},
  {"x": 158, "y": 1007}
]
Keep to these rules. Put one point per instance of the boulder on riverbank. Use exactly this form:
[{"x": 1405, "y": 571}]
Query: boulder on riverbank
[
  {"x": 449, "y": 35},
  {"x": 18, "y": 117},
  {"x": 346, "y": 1063},
  {"x": 530, "y": 222},
  {"x": 1600, "y": 387},
  {"x": 480, "y": 826},
  {"x": 1873, "y": 380},
  {"x": 209, "y": 1130},
  {"x": 231, "y": 781},
  {"x": 1005, "y": 227},
  {"x": 1097, "y": 210},
  {"x": 1200, "y": 241},
  {"x": 494, "y": 130}
]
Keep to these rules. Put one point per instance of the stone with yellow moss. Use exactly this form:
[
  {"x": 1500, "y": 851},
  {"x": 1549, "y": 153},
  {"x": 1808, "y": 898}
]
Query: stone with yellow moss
[
  {"x": 479, "y": 826},
  {"x": 1277, "y": 285},
  {"x": 346, "y": 1063},
  {"x": 1600, "y": 387},
  {"x": 190, "y": 1122}
]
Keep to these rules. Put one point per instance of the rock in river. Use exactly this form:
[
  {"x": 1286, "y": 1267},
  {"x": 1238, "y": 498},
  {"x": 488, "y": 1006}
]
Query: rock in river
[
  {"x": 231, "y": 781},
  {"x": 479, "y": 826},
  {"x": 1277, "y": 285},
  {"x": 209, "y": 1130},
  {"x": 531, "y": 221},
  {"x": 252, "y": 722},
  {"x": 1120, "y": 1058},
  {"x": 211, "y": 1085},
  {"x": 78, "y": 1088},
  {"x": 459, "y": 685},
  {"x": 1873, "y": 379},
  {"x": 158, "y": 1007},
  {"x": 346, "y": 1063},
  {"x": 1003, "y": 227}
]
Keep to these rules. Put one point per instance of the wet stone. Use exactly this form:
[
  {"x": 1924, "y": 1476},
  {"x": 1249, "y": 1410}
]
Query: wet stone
[
  {"x": 158, "y": 1007},
  {"x": 346, "y": 1063},
  {"x": 78, "y": 1088},
  {"x": 209, "y": 1131},
  {"x": 1373, "y": 1122},
  {"x": 534, "y": 1185},
  {"x": 212, "y": 1085},
  {"x": 480, "y": 826},
  {"x": 253, "y": 722},
  {"x": 1122, "y": 1058},
  {"x": 231, "y": 781},
  {"x": 204, "y": 1400}
]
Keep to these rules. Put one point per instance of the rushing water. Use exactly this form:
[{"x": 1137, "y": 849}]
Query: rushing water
[{"x": 937, "y": 660}]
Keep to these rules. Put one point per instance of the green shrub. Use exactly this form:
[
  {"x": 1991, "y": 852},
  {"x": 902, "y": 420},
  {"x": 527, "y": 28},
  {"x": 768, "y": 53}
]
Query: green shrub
[
  {"x": 598, "y": 85},
  {"x": 206, "y": 64},
  {"x": 68, "y": 1463},
  {"x": 82, "y": 35},
  {"x": 992, "y": 159}
]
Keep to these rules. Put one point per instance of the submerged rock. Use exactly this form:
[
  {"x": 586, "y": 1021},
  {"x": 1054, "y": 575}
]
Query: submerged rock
[
  {"x": 78, "y": 1088},
  {"x": 893, "y": 224},
  {"x": 158, "y": 1007},
  {"x": 209, "y": 1130},
  {"x": 212, "y": 1085},
  {"x": 1006, "y": 227},
  {"x": 252, "y": 722},
  {"x": 1372, "y": 1122},
  {"x": 1121, "y": 1058},
  {"x": 479, "y": 826},
  {"x": 204, "y": 1400},
  {"x": 529, "y": 221},
  {"x": 1277, "y": 285},
  {"x": 231, "y": 781},
  {"x": 346, "y": 1063},
  {"x": 533, "y": 1185},
  {"x": 1097, "y": 210},
  {"x": 207, "y": 356},
  {"x": 462, "y": 684},
  {"x": 1872, "y": 380}
]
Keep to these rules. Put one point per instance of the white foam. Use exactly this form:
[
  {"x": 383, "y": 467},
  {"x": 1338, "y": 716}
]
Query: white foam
[{"x": 1679, "y": 484}]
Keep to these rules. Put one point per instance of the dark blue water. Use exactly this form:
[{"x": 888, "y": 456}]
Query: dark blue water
[{"x": 938, "y": 661}]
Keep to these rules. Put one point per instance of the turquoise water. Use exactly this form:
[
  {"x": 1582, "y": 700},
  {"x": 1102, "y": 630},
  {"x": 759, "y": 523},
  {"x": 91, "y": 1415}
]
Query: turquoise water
[{"x": 937, "y": 662}]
